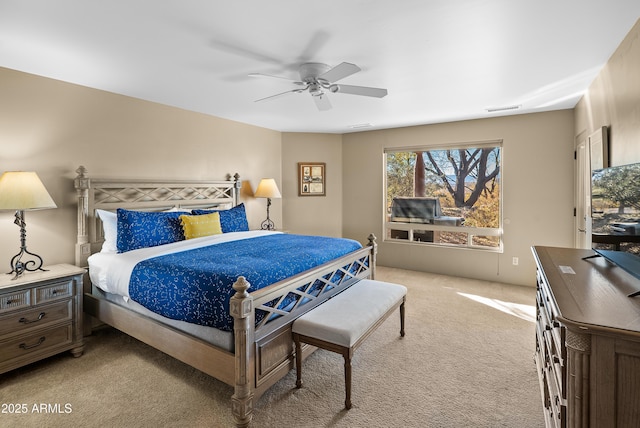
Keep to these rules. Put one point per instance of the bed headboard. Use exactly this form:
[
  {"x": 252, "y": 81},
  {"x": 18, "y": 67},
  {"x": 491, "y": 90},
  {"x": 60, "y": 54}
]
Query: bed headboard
[{"x": 143, "y": 195}]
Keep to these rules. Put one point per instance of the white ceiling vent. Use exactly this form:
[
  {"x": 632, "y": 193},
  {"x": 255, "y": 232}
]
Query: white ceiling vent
[{"x": 505, "y": 108}]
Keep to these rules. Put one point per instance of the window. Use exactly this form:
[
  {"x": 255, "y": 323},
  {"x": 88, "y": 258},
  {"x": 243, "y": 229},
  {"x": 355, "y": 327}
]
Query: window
[{"x": 445, "y": 196}]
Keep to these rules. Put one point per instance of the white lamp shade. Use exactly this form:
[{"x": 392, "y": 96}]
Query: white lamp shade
[
  {"x": 267, "y": 189},
  {"x": 20, "y": 190}
]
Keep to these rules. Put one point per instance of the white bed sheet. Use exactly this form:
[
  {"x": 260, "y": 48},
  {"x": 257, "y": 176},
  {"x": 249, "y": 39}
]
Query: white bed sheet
[{"x": 111, "y": 271}]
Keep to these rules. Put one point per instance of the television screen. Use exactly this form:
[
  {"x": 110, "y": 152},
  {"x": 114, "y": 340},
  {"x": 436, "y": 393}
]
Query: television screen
[{"x": 615, "y": 207}]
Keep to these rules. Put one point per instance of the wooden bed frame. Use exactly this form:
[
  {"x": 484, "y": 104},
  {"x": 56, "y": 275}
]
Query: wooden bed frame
[{"x": 263, "y": 353}]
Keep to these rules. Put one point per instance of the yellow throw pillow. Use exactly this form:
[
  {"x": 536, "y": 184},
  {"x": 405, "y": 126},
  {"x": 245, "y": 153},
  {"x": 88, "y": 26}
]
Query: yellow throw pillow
[{"x": 196, "y": 226}]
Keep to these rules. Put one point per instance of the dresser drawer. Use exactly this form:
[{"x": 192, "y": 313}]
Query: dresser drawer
[
  {"x": 558, "y": 404},
  {"x": 55, "y": 291},
  {"x": 16, "y": 322},
  {"x": 16, "y": 300},
  {"x": 36, "y": 342}
]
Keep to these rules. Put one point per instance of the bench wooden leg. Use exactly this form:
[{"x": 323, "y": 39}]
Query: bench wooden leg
[
  {"x": 347, "y": 354},
  {"x": 402, "y": 318},
  {"x": 296, "y": 339}
]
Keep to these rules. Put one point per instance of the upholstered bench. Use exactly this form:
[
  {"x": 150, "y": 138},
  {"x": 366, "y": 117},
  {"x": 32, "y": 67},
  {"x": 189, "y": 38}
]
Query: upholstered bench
[{"x": 342, "y": 323}]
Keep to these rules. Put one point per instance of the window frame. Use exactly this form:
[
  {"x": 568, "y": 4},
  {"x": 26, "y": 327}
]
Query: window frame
[{"x": 471, "y": 232}]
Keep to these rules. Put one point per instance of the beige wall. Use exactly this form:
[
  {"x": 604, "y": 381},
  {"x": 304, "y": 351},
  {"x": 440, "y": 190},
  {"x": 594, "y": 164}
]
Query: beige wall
[
  {"x": 52, "y": 127},
  {"x": 314, "y": 215},
  {"x": 537, "y": 175},
  {"x": 613, "y": 100}
]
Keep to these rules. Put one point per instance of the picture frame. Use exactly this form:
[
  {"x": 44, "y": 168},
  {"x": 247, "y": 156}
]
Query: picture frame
[{"x": 311, "y": 179}]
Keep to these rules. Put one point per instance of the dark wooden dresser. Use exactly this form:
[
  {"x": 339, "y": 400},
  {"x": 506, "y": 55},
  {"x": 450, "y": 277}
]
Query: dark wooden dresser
[{"x": 587, "y": 340}]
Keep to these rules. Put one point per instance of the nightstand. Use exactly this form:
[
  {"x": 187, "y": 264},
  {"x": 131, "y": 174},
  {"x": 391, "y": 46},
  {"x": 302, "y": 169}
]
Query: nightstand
[{"x": 40, "y": 315}]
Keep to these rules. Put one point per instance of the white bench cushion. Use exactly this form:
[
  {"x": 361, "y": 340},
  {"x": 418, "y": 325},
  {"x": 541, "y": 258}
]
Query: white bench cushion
[{"x": 343, "y": 319}]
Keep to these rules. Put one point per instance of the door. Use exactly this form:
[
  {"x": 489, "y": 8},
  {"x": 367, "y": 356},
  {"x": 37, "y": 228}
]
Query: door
[
  {"x": 591, "y": 153},
  {"x": 583, "y": 195}
]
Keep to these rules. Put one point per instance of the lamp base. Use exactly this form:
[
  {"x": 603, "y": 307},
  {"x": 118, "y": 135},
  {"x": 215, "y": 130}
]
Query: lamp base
[
  {"x": 268, "y": 224},
  {"x": 19, "y": 266}
]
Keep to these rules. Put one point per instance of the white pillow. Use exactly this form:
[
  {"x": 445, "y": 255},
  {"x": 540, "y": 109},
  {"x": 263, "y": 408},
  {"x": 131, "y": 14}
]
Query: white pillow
[
  {"x": 226, "y": 206},
  {"x": 110, "y": 230},
  {"x": 177, "y": 209}
]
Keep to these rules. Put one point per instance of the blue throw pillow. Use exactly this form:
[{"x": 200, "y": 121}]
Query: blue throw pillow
[
  {"x": 231, "y": 220},
  {"x": 139, "y": 229}
]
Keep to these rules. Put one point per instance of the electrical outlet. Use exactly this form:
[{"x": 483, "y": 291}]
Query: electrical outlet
[{"x": 515, "y": 261}]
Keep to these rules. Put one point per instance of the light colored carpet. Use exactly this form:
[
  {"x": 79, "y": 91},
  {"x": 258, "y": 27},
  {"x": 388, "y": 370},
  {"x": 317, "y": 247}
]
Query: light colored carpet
[{"x": 466, "y": 361}]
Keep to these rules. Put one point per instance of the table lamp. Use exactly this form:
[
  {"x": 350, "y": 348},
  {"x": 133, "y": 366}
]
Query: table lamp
[
  {"x": 22, "y": 191},
  {"x": 267, "y": 189}
]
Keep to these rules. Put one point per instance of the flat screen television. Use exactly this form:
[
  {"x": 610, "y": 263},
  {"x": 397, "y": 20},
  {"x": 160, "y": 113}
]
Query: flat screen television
[
  {"x": 615, "y": 215},
  {"x": 615, "y": 204}
]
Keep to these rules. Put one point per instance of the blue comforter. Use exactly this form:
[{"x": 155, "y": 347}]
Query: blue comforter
[{"x": 196, "y": 285}]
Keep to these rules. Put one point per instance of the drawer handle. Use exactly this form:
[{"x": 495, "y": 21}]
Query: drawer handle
[
  {"x": 26, "y": 321},
  {"x": 25, "y": 346}
]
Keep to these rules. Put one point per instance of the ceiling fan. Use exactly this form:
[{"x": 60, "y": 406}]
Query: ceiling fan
[{"x": 319, "y": 79}]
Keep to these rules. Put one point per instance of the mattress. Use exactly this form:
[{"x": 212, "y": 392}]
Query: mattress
[
  {"x": 219, "y": 338},
  {"x": 187, "y": 284}
]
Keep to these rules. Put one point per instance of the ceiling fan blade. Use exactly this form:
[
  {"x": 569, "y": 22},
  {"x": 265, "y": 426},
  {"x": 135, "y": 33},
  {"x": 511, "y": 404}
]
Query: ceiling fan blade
[
  {"x": 340, "y": 71},
  {"x": 318, "y": 40},
  {"x": 245, "y": 52},
  {"x": 271, "y": 97},
  {"x": 322, "y": 102},
  {"x": 359, "y": 90},
  {"x": 297, "y": 82}
]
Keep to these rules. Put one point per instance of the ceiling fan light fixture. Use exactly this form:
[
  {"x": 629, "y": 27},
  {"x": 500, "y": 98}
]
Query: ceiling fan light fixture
[{"x": 315, "y": 89}]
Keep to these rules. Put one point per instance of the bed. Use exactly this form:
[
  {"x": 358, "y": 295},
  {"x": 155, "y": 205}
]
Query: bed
[{"x": 251, "y": 348}]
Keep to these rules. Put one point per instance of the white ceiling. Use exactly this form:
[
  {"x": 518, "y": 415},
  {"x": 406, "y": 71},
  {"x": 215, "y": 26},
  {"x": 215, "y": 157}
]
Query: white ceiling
[{"x": 441, "y": 60}]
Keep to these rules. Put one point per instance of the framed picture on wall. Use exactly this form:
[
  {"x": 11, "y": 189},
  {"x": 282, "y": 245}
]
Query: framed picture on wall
[{"x": 311, "y": 179}]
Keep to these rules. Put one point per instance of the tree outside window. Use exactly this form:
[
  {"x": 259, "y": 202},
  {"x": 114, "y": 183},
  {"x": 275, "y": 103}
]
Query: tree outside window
[{"x": 463, "y": 183}]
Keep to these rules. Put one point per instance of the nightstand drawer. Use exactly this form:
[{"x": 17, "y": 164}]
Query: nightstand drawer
[
  {"x": 54, "y": 291},
  {"x": 40, "y": 315},
  {"x": 36, "y": 317},
  {"x": 38, "y": 341},
  {"x": 16, "y": 300}
]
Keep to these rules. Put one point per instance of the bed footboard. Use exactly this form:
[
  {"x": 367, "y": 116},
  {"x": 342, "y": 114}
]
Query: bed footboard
[{"x": 264, "y": 351}]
